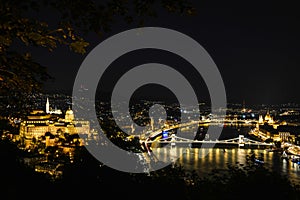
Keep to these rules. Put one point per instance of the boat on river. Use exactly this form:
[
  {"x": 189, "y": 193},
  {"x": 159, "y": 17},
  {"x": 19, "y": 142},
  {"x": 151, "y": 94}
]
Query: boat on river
[{"x": 295, "y": 159}]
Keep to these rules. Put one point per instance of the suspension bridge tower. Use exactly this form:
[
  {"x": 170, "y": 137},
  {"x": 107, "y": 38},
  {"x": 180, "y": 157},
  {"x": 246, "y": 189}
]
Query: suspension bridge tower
[{"x": 241, "y": 141}]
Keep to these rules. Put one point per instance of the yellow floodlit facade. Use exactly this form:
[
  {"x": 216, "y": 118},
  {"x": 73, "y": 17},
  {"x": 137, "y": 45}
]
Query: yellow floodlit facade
[{"x": 38, "y": 123}]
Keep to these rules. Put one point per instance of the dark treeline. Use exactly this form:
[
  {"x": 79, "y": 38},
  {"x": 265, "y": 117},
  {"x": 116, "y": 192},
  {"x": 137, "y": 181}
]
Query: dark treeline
[{"x": 87, "y": 178}]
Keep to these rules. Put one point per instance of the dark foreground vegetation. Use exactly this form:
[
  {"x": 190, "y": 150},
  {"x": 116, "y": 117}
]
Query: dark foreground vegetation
[{"x": 86, "y": 178}]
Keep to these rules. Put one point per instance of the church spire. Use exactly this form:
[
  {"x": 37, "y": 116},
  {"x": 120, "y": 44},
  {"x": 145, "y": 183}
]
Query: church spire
[{"x": 47, "y": 106}]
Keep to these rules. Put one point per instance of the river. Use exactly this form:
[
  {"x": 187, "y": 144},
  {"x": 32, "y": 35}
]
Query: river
[{"x": 204, "y": 160}]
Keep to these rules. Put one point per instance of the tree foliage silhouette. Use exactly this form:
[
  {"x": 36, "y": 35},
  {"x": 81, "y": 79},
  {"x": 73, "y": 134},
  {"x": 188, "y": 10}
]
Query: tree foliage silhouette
[{"x": 21, "y": 29}]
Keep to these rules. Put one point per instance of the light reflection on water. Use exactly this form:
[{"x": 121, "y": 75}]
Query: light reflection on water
[{"x": 203, "y": 161}]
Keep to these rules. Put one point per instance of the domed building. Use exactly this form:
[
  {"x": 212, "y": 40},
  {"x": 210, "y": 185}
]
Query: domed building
[
  {"x": 69, "y": 116},
  {"x": 38, "y": 123},
  {"x": 267, "y": 119}
]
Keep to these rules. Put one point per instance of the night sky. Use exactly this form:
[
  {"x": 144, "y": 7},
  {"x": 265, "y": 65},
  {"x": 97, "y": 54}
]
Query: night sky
[{"x": 255, "y": 45}]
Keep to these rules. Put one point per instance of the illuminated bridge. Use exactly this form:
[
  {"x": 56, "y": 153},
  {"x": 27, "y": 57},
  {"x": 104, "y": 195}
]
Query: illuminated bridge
[
  {"x": 155, "y": 133},
  {"x": 210, "y": 122},
  {"x": 240, "y": 141},
  {"x": 157, "y": 137}
]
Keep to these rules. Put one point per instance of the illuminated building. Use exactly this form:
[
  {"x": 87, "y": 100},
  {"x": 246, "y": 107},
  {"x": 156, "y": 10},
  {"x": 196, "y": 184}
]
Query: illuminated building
[
  {"x": 52, "y": 111},
  {"x": 260, "y": 119},
  {"x": 69, "y": 116},
  {"x": 38, "y": 123},
  {"x": 47, "y": 106},
  {"x": 267, "y": 119}
]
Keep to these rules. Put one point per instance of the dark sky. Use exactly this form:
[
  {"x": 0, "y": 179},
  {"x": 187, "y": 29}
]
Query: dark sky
[{"x": 255, "y": 44}]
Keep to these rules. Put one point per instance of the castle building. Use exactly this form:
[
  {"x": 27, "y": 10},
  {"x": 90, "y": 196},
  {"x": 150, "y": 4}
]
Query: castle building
[{"x": 40, "y": 122}]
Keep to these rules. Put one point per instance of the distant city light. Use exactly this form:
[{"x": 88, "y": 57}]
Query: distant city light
[{"x": 165, "y": 134}]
